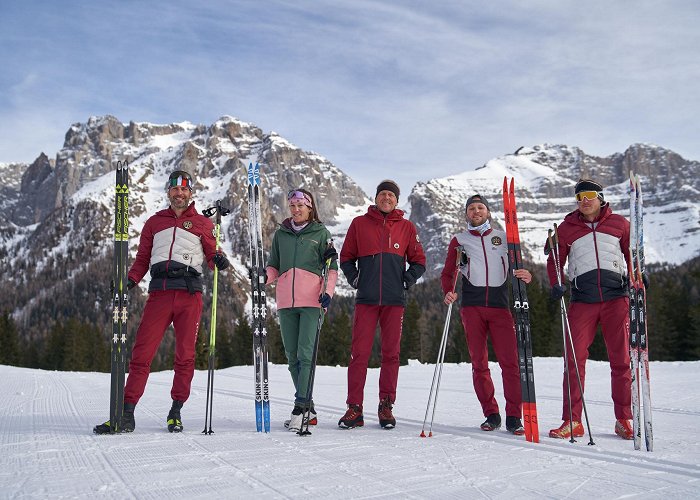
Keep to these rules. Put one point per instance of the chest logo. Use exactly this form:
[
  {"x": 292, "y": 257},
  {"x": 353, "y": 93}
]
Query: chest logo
[
  {"x": 187, "y": 224},
  {"x": 396, "y": 246},
  {"x": 496, "y": 241}
]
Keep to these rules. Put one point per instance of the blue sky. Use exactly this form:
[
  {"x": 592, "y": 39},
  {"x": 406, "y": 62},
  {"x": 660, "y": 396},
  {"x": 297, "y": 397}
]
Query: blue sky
[{"x": 404, "y": 89}]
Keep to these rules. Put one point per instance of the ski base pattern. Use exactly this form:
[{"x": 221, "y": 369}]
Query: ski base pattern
[
  {"x": 522, "y": 316},
  {"x": 639, "y": 352},
  {"x": 257, "y": 281}
]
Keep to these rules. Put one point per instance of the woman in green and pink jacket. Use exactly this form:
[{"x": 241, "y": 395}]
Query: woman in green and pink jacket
[{"x": 300, "y": 248}]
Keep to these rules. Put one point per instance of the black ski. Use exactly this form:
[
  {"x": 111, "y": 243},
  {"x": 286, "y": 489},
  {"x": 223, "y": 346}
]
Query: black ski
[
  {"x": 257, "y": 280},
  {"x": 120, "y": 296}
]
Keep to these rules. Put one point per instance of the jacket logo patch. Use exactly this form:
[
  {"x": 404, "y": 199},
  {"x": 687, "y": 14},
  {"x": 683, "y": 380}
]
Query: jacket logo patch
[
  {"x": 187, "y": 224},
  {"x": 496, "y": 241},
  {"x": 396, "y": 246}
]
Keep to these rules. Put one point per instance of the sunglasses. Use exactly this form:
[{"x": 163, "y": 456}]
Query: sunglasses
[
  {"x": 295, "y": 195},
  {"x": 589, "y": 195}
]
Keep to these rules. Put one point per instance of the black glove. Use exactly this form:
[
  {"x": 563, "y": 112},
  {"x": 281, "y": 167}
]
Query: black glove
[
  {"x": 408, "y": 280},
  {"x": 645, "y": 280},
  {"x": 355, "y": 281},
  {"x": 324, "y": 300},
  {"x": 463, "y": 259},
  {"x": 330, "y": 253},
  {"x": 220, "y": 261},
  {"x": 557, "y": 292},
  {"x": 130, "y": 284}
]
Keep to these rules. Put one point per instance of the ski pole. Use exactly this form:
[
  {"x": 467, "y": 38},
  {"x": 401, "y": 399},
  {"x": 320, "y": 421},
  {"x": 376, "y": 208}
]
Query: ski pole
[
  {"x": 304, "y": 430},
  {"x": 562, "y": 306},
  {"x": 434, "y": 388},
  {"x": 209, "y": 405},
  {"x": 565, "y": 317}
]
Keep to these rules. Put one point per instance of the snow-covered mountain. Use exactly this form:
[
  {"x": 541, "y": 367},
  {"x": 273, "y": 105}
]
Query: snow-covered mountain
[
  {"x": 56, "y": 223},
  {"x": 545, "y": 176}
]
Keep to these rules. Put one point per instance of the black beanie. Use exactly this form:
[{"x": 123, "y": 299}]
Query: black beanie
[
  {"x": 477, "y": 198},
  {"x": 388, "y": 185},
  {"x": 589, "y": 185}
]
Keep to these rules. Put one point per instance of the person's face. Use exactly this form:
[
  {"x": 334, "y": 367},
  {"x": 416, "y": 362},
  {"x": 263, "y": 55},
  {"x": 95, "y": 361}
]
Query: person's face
[
  {"x": 300, "y": 212},
  {"x": 589, "y": 207},
  {"x": 386, "y": 201},
  {"x": 179, "y": 197},
  {"x": 477, "y": 213}
]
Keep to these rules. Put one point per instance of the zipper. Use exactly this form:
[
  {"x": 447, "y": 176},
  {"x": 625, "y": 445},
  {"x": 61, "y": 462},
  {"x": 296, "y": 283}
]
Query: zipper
[
  {"x": 294, "y": 266},
  {"x": 486, "y": 262},
  {"x": 597, "y": 261},
  {"x": 170, "y": 256},
  {"x": 381, "y": 261}
]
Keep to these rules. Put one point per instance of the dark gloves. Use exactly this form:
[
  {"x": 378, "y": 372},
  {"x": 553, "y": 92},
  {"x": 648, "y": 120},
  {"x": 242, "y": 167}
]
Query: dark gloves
[
  {"x": 330, "y": 253},
  {"x": 130, "y": 284},
  {"x": 557, "y": 292},
  {"x": 645, "y": 280},
  {"x": 463, "y": 259},
  {"x": 324, "y": 300},
  {"x": 408, "y": 280},
  {"x": 220, "y": 261}
]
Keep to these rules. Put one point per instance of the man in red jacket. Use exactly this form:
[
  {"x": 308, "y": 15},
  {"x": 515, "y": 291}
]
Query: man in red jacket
[
  {"x": 373, "y": 258},
  {"x": 596, "y": 243},
  {"x": 175, "y": 244}
]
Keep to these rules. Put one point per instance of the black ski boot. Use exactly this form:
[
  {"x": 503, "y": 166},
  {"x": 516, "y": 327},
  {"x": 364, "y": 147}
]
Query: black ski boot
[
  {"x": 128, "y": 422},
  {"x": 492, "y": 422},
  {"x": 105, "y": 428},
  {"x": 174, "y": 419}
]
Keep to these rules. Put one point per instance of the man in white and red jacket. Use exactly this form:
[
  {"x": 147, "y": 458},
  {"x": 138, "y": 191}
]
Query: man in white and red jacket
[
  {"x": 595, "y": 242},
  {"x": 176, "y": 244},
  {"x": 373, "y": 258},
  {"x": 485, "y": 312}
]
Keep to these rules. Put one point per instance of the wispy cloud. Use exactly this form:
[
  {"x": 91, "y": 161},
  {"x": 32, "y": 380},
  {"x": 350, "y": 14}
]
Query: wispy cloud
[{"x": 383, "y": 88}]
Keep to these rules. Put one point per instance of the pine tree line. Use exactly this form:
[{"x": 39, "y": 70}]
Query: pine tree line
[{"x": 80, "y": 343}]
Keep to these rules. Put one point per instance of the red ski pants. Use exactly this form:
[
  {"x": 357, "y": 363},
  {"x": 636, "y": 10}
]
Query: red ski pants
[
  {"x": 613, "y": 317},
  {"x": 162, "y": 308},
  {"x": 365, "y": 320},
  {"x": 479, "y": 323}
]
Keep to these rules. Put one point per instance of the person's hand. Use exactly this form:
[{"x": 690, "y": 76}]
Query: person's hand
[
  {"x": 220, "y": 261},
  {"x": 356, "y": 281},
  {"x": 557, "y": 292},
  {"x": 330, "y": 253},
  {"x": 450, "y": 297},
  {"x": 523, "y": 274},
  {"x": 130, "y": 284},
  {"x": 408, "y": 280},
  {"x": 325, "y": 300}
]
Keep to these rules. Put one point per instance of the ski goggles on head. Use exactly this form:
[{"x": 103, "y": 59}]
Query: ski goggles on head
[
  {"x": 295, "y": 195},
  {"x": 180, "y": 181},
  {"x": 589, "y": 195}
]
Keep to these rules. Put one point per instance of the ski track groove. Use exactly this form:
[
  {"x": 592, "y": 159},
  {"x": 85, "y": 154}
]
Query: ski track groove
[{"x": 194, "y": 443}]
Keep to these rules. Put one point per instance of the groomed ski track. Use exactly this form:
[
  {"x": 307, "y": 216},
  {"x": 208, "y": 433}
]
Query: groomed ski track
[{"x": 47, "y": 448}]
